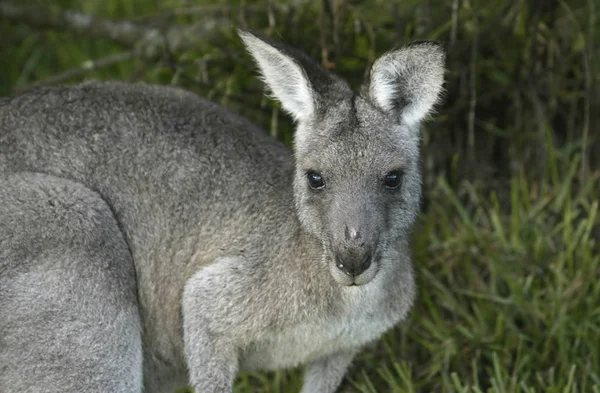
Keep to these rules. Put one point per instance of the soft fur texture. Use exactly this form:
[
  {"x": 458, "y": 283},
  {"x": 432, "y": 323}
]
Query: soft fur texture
[
  {"x": 408, "y": 80},
  {"x": 150, "y": 239},
  {"x": 285, "y": 77}
]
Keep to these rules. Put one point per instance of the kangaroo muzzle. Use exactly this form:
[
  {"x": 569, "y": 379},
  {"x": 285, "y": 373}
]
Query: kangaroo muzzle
[
  {"x": 354, "y": 250},
  {"x": 355, "y": 261}
]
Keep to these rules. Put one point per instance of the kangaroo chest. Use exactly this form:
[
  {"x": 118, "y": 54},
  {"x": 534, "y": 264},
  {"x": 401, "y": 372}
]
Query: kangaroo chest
[{"x": 367, "y": 316}]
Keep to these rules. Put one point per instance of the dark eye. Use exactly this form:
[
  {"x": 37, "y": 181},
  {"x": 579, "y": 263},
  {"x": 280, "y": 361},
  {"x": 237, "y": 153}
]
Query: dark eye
[
  {"x": 393, "y": 179},
  {"x": 315, "y": 180}
]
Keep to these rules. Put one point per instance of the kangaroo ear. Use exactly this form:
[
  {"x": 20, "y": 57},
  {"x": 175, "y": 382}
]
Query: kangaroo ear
[
  {"x": 408, "y": 80},
  {"x": 283, "y": 74}
]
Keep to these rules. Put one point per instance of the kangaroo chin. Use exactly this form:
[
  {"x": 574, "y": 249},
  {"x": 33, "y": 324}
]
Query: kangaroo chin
[{"x": 151, "y": 239}]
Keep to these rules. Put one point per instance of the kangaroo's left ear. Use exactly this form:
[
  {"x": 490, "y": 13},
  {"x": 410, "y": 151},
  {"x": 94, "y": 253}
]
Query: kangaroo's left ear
[
  {"x": 284, "y": 75},
  {"x": 408, "y": 80}
]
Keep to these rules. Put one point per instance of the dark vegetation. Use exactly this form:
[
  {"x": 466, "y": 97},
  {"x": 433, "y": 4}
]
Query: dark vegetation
[{"x": 507, "y": 248}]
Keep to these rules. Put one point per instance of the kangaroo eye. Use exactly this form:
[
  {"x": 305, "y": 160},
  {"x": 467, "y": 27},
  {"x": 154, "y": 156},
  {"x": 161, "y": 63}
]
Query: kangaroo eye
[
  {"x": 393, "y": 179},
  {"x": 315, "y": 180}
]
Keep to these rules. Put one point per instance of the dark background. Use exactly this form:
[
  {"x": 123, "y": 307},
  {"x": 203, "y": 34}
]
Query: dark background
[{"x": 506, "y": 249}]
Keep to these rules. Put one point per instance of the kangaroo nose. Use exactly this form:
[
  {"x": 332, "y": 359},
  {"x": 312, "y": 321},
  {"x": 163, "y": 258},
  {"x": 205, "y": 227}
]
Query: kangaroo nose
[
  {"x": 355, "y": 265},
  {"x": 352, "y": 234}
]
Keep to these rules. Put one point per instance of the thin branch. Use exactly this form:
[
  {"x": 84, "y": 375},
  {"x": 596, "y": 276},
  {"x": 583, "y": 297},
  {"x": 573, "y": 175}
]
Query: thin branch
[
  {"x": 588, "y": 65},
  {"x": 454, "y": 29},
  {"x": 211, "y": 10},
  {"x": 85, "y": 67},
  {"x": 586, "y": 53},
  {"x": 125, "y": 33},
  {"x": 473, "y": 95},
  {"x": 149, "y": 41}
]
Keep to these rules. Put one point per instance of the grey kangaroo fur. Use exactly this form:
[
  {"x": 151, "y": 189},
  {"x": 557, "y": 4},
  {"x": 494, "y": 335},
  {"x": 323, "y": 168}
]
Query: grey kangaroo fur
[{"x": 151, "y": 239}]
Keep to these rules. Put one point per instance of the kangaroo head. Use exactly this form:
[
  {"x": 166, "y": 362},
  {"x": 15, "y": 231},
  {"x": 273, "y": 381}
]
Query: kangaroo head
[{"x": 357, "y": 184}]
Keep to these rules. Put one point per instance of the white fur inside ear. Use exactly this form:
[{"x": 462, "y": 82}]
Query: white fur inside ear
[
  {"x": 408, "y": 80},
  {"x": 286, "y": 78}
]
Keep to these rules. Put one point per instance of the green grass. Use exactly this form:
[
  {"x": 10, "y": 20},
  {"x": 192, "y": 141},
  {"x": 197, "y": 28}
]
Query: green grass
[{"x": 507, "y": 248}]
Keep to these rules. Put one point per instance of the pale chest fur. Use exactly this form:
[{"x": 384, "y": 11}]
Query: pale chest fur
[{"x": 367, "y": 315}]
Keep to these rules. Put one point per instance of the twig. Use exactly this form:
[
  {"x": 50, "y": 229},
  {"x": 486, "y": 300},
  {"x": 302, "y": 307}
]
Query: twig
[
  {"x": 204, "y": 10},
  {"x": 125, "y": 33},
  {"x": 325, "y": 11},
  {"x": 271, "y": 16},
  {"x": 210, "y": 10},
  {"x": 473, "y": 94},
  {"x": 453, "y": 31},
  {"x": 85, "y": 67},
  {"x": 588, "y": 63},
  {"x": 149, "y": 41},
  {"x": 587, "y": 83}
]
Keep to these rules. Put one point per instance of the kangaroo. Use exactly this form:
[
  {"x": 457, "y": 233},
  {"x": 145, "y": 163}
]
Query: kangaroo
[{"x": 151, "y": 239}]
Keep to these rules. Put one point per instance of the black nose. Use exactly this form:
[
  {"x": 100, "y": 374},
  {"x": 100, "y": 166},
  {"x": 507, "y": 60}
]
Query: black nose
[{"x": 353, "y": 265}]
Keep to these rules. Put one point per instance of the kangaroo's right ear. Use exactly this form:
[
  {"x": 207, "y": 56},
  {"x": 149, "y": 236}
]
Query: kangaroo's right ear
[
  {"x": 408, "y": 80},
  {"x": 283, "y": 74}
]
